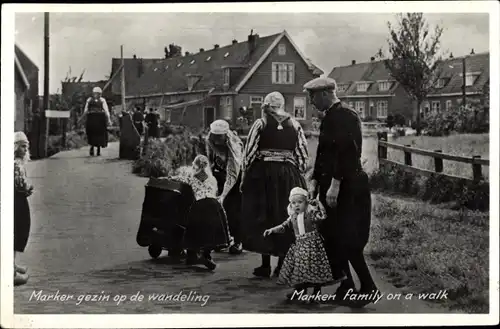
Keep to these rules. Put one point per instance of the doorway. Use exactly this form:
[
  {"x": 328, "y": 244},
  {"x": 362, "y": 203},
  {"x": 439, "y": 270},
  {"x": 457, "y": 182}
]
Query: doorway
[{"x": 209, "y": 116}]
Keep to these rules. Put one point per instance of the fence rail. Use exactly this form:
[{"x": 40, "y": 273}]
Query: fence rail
[{"x": 438, "y": 156}]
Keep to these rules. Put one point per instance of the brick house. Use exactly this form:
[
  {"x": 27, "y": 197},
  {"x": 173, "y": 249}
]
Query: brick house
[
  {"x": 223, "y": 82},
  {"x": 369, "y": 87},
  {"x": 26, "y": 90}
]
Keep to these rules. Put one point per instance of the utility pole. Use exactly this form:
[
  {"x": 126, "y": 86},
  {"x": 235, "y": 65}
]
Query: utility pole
[
  {"x": 46, "y": 94},
  {"x": 123, "y": 79},
  {"x": 464, "y": 72}
]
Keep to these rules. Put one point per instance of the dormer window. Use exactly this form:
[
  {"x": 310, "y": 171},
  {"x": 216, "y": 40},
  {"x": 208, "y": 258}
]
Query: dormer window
[
  {"x": 192, "y": 80},
  {"x": 281, "y": 50},
  {"x": 179, "y": 65},
  {"x": 192, "y": 62},
  {"x": 209, "y": 58},
  {"x": 226, "y": 54},
  {"x": 342, "y": 88},
  {"x": 470, "y": 79},
  {"x": 439, "y": 83},
  {"x": 166, "y": 67},
  {"x": 362, "y": 86},
  {"x": 384, "y": 85},
  {"x": 155, "y": 69},
  {"x": 226, "y": 76}
]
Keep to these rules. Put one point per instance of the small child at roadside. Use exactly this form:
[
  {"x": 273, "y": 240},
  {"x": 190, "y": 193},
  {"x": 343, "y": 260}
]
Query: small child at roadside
[
  {"x": 306, "y": 264},
  {"x": 200, "y": 178}
]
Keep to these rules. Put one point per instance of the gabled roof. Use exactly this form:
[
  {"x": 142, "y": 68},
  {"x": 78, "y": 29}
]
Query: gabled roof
[
  {"x": 450, "y": 69},
  {"x": 170, "y": 75},
  {"x": 132, "y": 70},
  {"x": 20, "y": 69}
]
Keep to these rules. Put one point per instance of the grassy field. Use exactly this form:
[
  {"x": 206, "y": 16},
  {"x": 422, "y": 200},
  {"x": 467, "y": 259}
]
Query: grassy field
[
  {"x": 462, "y": 145},
  {"x": 425, "y": 248}
]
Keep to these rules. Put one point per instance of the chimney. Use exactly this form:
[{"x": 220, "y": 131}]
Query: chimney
[
  {"x": 372, "y": 59},
  {"x": 202, "y": 50},
  {"x": 216, "y": 46},
  {"x": 451, "y": 55},
  {"x": 472, "y": 51},
  {"x": 234, "y": 41},
  {"x": 252, "y": 42},
  {"x": 187, "y": 53},
  {"x": 353, "y": 62},
  {"x": 135, "y": 56}
]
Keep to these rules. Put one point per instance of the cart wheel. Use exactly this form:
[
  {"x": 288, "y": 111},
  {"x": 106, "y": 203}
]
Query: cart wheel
[{"x": 154, "y": 251}]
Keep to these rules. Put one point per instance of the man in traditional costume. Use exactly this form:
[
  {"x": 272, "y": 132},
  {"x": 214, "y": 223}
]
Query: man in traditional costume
[{"x": 343, "y": 187}]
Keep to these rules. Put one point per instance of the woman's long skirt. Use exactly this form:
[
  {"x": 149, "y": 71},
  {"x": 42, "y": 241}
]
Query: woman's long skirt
[
  {"x": 96, "y": 129},
  {"x": 265, "y": 195},
  {"x": 22, "y": 221},
  {"x": 207, "y": 226}
]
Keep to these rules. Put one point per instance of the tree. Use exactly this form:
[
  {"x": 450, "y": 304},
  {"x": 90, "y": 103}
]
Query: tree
[{"x": 414, "y": 56}]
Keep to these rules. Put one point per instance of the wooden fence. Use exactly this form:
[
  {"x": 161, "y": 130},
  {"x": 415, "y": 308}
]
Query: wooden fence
[{"x": 475, "y": 161}]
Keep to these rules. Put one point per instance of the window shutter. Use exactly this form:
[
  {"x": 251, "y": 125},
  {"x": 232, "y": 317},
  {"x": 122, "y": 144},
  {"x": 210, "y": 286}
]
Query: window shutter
[{"x": 274, "y": 74}]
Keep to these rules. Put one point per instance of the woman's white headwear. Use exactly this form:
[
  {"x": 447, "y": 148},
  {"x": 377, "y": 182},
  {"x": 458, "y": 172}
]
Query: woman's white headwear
[
  {"x": 20, "y": 137},
  {"x": 219, "y": 127},
  {"x": 297, "y": 191},
  {"x": 97, "y": 90},
  {"x": 275, "y": 100}
]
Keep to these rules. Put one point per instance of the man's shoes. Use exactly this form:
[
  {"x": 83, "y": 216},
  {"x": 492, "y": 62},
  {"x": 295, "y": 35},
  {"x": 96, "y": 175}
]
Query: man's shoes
[
  {"x": 236, "y": 249},
  {"x": 263, "y": 272},
  {"x": 20, "y": 279}
]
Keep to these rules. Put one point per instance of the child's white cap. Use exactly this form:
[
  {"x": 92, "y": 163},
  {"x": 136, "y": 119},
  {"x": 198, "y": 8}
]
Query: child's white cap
[
  {"x": 298, "y": 191},
  {"x": 20, "y": 137}
]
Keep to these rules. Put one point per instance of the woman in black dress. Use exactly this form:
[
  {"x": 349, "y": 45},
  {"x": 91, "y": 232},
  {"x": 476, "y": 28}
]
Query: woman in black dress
[
  {"x": 153, "y": 123},
  {"x": 225, "y": 154},
  {"x": 22, "y": 190},
  {"x": 97, "y": 119},
  {"x": 275, "y": 161}
]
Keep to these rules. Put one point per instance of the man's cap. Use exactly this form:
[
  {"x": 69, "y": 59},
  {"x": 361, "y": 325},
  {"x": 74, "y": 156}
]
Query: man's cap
[{"x": 320, "y": 84}]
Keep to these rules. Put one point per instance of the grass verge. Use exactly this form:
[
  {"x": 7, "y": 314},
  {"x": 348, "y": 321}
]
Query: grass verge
[{"x": 425, "y": 248}]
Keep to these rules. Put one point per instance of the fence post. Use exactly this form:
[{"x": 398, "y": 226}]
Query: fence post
[
  {"x": 408, "y": 157},
  {"x": 438, "y": 162},
  {"x": 382, "y": 149},
  {"x": 476, "y": 169}
]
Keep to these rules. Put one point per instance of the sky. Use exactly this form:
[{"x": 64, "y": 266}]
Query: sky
[{"x": 88, "y": 41}]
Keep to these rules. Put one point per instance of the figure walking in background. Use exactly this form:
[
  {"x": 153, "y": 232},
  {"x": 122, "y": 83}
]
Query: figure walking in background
[
  {"x": 274, "y": 162},
  {"x": 98, "y": 118},
  {"x": 343, "y": 188},
  {"x": 306, "y": 264},
  {"x": 153, "y": 123},
  {"x": 22, "y": 217},
  {"x": 225, "y": 153},
  {"x": 138, "y": 118}
]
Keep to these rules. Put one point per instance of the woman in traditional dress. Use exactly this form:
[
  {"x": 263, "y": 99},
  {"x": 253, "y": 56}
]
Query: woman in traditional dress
[
  {"x": 98, "y": 118},
  {"x": 225, "y": 153},
  {"x": 22, "y": 217},
  {"x": 153, "y": 123},
  {"x": 275, "y": 161}
]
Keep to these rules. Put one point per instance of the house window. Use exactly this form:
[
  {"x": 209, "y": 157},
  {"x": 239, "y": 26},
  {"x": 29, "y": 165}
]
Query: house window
[
  {"x": 256, "y": 100},
  {"x": 382, "y": 109},
  {"x": 440, "y": 83},
  {"x": 299, "y": 108},
  {"x": 282, "y": 49},
  {"x": 448, "y": 105},
  {"x": 362, "y": 86},
  {"x": 283, "y": 73},
  {"x": 470, "y": 79},
  {"x": 226, "y": 105},
  {"x": 342, "y": 88},
  {"x": 384, "y": 86},
  {"x": 360, "y": 107},
  {"x": 168, "y": 115},
  {"x": 226, "y": 76},
  {"x": 424, "y": 108},
  {"x": 436, "y": 106}
]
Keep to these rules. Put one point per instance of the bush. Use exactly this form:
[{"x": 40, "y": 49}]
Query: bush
[
  {"x": 462, "y": 193},
  {"x": 472, "y": 119},
  {"x": 163, "y": 158}
]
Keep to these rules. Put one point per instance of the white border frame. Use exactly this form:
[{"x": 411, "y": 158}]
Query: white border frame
[{"x": 217, "y": 320}]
